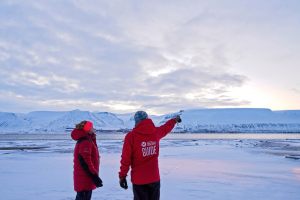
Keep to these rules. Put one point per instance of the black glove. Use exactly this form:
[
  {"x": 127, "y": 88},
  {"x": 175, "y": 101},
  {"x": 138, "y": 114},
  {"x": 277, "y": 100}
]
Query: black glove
[
  {"x": 97, "y": 180},
  {"x": 178, "y": 119},
  {"x": 123, "y": 183}
]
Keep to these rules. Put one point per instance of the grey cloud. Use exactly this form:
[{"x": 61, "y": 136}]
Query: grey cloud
[
  {"x": 296, "y": 90},
  {"x": 105, "y": 52},
  {"x": 194, "y": 78},
  {"x": 181, "y": 103}
]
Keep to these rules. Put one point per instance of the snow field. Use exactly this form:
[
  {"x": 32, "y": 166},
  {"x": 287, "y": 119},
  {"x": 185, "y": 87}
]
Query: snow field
[{"x": 190, "y": 169}]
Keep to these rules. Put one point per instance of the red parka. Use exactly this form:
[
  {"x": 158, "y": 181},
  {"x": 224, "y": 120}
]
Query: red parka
[
  {"x": 88, "y": 149},
  {"x": 141, "y": 151}
]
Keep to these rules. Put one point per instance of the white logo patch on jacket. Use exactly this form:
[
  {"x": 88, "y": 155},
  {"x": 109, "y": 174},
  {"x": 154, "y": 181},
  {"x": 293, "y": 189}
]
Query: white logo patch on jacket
[{"x": 148, "y": 148}]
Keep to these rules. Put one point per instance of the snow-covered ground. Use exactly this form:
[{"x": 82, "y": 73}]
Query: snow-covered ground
[{"x": 190, "y": 170}]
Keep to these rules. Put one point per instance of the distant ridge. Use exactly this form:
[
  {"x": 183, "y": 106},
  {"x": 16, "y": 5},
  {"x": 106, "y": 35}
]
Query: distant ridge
[{"x": 219, "y": 120}]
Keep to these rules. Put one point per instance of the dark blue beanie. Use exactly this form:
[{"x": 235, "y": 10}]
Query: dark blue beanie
[{"x": 139, "y": 116}]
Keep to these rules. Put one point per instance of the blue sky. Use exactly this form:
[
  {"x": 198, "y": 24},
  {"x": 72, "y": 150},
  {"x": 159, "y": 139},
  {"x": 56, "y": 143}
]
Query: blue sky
[{"x": 159, "y": 56}]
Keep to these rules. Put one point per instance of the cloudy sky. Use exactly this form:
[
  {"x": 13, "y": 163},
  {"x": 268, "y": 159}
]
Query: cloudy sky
[{"x": 160, "y": 56}]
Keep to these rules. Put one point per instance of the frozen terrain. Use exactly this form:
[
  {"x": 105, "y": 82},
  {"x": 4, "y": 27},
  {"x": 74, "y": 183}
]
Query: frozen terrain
[
  {"x": 194, "y": 121},
  {"x": 191, "y": 169}
]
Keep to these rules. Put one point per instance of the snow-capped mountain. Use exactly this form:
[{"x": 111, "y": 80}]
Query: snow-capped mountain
[
  {"x": 195, "y": 121},
  {"x": 240, "y": 120},
  {"x": 12, "y": 121}
]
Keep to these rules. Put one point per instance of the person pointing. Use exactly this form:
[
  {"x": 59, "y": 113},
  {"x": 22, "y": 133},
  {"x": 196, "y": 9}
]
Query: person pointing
[{"x": 141, "y": 152}]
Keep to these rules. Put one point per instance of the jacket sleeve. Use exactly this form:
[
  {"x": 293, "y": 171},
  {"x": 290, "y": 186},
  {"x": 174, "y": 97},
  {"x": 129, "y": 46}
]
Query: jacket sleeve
[
  {"x": 163, "y": 130},
  {"x": 126, "y": 156},
  {"x": 85, "y": 151}
]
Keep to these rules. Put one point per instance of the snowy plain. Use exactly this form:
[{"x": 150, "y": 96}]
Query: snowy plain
[{"x": 213, "y": 169}]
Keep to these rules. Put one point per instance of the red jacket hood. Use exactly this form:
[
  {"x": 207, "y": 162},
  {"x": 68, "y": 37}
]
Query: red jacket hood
[
  {"x": 77, "y": 134},
  {"x": 145, "y": 127}
]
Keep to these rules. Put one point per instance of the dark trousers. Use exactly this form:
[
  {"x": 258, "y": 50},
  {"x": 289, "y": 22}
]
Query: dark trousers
[
  {"x": 84, "y": 195},
  {"x": 149, "y": 191}
]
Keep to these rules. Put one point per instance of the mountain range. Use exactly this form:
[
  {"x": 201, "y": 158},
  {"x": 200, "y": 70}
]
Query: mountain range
[{"x": 227, "y": 120}]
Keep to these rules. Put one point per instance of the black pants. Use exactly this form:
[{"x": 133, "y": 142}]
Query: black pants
[
  {"x": 149, "y": 191},
  {"x": 84, "y": 195}
]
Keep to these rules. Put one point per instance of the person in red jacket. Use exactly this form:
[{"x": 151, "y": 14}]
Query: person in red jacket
[
  {"x": 86, "y": 161},
  {"x": 140, "y": 152}
]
